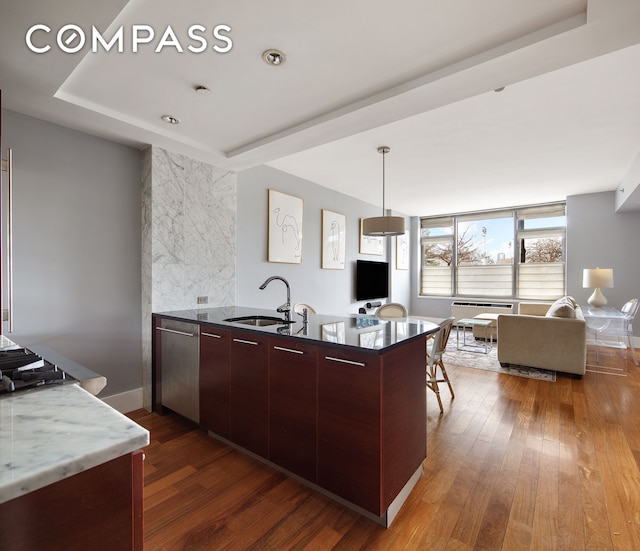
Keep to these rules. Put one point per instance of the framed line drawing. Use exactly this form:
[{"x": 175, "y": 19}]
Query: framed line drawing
[
  {"x": 333, "y": 240},
  {"x": 402, "y": 252},
  {"x": 370, "y": 244},
  {"x": 285, "y": 228}
]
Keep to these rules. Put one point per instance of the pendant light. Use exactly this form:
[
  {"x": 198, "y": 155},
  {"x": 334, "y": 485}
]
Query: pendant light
[{"x": 383, "y": 225}]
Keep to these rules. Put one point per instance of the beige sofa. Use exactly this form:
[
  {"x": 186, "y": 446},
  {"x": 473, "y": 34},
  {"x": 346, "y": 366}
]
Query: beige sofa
[{"x": 535, "y": 339}]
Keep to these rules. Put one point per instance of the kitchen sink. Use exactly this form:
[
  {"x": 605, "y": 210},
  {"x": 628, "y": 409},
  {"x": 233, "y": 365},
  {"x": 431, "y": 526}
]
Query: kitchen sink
[{"x": 259, "y": 321}]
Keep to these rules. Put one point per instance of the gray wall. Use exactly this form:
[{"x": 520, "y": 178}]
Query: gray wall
[
  {"x": 77, "y": 247},
  {"x": 328, "y": 291},
  {"x": 597, "y": 236}
]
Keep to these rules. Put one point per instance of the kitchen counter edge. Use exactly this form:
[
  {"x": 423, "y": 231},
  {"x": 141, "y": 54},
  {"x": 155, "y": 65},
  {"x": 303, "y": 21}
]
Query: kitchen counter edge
[
  {"x": 362, "y": 332},
  {"x": 52, "y": 433}
]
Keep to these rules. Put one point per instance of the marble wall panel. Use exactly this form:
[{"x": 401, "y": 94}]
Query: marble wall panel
[{"x": 189, "y": 239}]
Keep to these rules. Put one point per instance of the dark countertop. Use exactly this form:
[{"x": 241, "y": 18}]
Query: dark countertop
[{"x": 357, "y": 330}]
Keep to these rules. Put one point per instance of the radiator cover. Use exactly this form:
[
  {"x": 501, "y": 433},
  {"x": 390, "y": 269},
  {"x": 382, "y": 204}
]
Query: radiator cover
[{"x": 463, "y": 309}]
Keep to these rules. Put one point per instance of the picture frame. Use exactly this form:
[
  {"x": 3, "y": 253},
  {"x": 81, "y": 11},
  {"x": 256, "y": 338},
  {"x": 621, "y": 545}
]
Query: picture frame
[
  {"x": 334, "y": 231},
  {"x": 285, "y": 228},
  {"x": 402, "y": 252},
  {"x": 370, "y": 244}
]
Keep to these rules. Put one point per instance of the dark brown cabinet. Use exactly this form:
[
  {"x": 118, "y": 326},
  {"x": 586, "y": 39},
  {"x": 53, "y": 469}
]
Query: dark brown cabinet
[
  {"x": 248, "y": 391},
  {"x": 100, "y": 508},
  {"x": 214, "y": 379},
  {"x": 349, "y": 447},
  {"x": 293, "y": 406},
  {"x": 372, "y": 433},
  {"x": 349, "y": 420}
]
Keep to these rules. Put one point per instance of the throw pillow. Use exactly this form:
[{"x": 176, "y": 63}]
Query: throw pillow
[
  {"x": 562, "y": 308},
  {"x": 573, "y": 301}
]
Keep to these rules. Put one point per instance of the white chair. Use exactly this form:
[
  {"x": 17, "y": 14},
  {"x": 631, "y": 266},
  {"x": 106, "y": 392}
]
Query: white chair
[
  {"x": 438, "y": 343},
  {"x": 391, "y": 310},
  {"x": 300, "y": 306},
  {"x": 630, "y": 310}
]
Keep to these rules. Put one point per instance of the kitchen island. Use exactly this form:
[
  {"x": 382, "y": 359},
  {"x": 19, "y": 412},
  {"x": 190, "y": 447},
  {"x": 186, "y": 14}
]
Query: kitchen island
[
  {"x": 70, "y": 472},
  {"x": 338, "y": 403}
]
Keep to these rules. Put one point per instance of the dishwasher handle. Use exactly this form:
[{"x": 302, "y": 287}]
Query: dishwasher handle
[{"x": 175, "y": 332}]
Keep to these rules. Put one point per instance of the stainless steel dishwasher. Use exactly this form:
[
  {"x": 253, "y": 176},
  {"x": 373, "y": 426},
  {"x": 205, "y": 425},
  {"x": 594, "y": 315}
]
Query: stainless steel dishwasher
[{"x": 180, "y": 365}]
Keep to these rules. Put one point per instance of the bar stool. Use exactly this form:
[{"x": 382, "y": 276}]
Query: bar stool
[{"x": 434, "y": 360}]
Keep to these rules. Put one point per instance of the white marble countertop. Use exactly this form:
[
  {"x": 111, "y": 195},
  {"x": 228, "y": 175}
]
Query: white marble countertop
[{"x": 55, "y": 432}]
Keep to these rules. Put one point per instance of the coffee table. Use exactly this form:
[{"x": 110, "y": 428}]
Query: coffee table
[{"x": 470, "y": 323}]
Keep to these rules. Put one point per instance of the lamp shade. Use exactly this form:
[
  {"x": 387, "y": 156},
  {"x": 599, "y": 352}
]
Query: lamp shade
[
  {"x": 597, "y": 278},
  {"x": 383, "y": 225}
]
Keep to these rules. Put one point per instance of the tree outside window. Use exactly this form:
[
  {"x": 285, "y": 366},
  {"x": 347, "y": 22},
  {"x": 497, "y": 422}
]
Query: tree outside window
[{"x": 482, "y": 263}]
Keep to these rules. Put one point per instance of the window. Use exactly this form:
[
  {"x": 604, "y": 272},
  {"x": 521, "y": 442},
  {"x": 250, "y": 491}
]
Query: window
[
  {"x": 485, "y": 255},
  {"x": 437, "y": 256},
  {"x": 481, "y": 264},
  {"x": 540, "y": 233}
]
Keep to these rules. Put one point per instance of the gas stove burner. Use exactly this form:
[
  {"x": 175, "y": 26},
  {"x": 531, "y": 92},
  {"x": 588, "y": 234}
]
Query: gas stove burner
[{"x": 21, "y": 369}]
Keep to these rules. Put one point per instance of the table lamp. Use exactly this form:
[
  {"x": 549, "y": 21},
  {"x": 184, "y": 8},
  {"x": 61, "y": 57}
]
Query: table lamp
[{"x": 596, "y": 279}]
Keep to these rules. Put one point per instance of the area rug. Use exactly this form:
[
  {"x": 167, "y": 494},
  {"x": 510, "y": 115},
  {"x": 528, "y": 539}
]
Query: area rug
[{"x": 473, "y": 356}]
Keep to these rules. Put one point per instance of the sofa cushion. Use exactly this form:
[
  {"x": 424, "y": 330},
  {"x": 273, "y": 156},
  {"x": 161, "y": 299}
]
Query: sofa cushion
[{"x": 564, "y": 307}]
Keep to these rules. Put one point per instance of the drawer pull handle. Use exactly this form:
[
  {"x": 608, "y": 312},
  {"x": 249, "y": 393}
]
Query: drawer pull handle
[
  {"x": 245, "y": 342},
  {"x": 288, "y": 350},
  {"x": 211, "y": 335},
  {"x": 331, "y": 358},
  {"x": 176, "y": 332}
]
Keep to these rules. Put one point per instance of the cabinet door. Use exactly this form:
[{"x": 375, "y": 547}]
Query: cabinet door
[
  {"x": 248, "y": 391},
  {"x": 292, "y": 406},
  {"x": 349, "y": 426},
  {"x": 214, "y": 379},
  {"x": 99, "y": 508}
]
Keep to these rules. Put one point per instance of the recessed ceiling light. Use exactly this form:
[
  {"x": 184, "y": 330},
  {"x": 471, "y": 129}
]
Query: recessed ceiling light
[
  {"x": 170, "y": 120},
  {"x": 273, "y": 57},
  {"x": 203, "y": 90}
]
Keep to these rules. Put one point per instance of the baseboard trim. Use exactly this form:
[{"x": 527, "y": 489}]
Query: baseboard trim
[{"x": 125, "y": 401}]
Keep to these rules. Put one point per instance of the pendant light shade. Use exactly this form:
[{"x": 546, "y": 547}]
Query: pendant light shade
[{"x": 383, "y": 225}]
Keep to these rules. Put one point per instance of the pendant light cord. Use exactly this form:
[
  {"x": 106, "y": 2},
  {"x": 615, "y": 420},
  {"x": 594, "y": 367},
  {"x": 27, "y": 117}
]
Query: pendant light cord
[
  {"x": 383, "y": 183},
  {"x": 384, "y": 150}
]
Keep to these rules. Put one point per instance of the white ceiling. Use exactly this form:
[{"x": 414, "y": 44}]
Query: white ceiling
[{"x": 416, "y": 75}]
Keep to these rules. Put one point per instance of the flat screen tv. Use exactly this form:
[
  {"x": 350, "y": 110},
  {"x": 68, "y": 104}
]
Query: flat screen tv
[{"x": 372, "y": 279}]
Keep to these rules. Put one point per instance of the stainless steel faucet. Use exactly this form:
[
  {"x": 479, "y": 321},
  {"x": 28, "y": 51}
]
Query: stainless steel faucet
[{"x": 286, "y": 307}]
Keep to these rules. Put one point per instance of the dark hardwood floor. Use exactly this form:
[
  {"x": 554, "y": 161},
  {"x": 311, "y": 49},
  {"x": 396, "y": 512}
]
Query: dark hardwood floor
[{"x": 513, "y": 464}]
